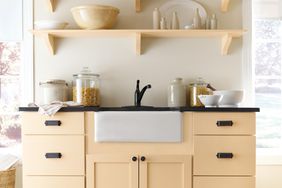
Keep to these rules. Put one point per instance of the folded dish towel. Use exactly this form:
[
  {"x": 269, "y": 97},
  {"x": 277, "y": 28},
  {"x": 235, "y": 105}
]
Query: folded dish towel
[{"x": 52, "y": 108}]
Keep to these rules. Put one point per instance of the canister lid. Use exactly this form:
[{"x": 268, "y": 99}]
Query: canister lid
[
  {"x": 199, "y": 82},
  {"x": 86, "y": 72},
  {"x": 53, "y": 81}
]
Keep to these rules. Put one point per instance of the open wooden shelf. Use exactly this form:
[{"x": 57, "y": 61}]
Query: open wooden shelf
[
  {"x": 225, "y": 5},
  {"x": 138, "y": 8},
  {"x": 226, "y": 36}
]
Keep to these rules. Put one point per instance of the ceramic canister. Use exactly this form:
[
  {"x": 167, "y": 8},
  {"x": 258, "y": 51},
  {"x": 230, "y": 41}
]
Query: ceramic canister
[{"x": 177, "y": 93}]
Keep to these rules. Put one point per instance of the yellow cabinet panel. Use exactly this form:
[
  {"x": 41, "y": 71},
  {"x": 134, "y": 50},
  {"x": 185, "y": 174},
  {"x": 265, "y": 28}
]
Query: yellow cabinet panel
[
  {"x": 65, "y": 155},
  {"x": 53, "y": 182},
  {"x": 61, "y": 123},
  {"x": 224, "y": 182},
  {"x": 165, "y": 171},
  {"x": 213, "y": 123},
  {"x": 108, "y": 171},
  {"x": 213, "y": 155}
]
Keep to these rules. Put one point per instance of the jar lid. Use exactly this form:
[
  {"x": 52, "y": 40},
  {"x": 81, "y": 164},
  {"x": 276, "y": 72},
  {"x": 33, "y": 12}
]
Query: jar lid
[
  {"x": 199, "y": 82},
  {"x": 53, "y": 81},
  {"x": 85, "y": 72}
]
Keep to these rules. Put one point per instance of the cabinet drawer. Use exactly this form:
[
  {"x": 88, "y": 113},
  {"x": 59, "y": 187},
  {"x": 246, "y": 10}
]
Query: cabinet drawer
[
  {"x": 53, "y": 182},
  {"x": 213, "y": 155},
  {"x": 224, "y": 123},
  {"x": 61, "y": 123},
  {"x": 223, "y": 182},
  {"x": 53, "y": 155}
]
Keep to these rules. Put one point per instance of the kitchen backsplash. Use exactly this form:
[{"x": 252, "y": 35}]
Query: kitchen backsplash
[{"x": 162, "y": 61}]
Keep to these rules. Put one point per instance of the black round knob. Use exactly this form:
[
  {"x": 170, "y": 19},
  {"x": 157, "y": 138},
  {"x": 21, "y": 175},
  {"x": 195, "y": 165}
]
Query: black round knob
[
  {"x": 134, "y": 158},
  {"x": 143, "y": 158}
]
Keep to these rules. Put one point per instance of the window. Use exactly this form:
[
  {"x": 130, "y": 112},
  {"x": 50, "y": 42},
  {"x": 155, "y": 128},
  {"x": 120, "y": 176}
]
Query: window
[
  {"x": 10, "y": 62},
  {"x": 267, "y": 61},
  {"x": 16, "y": 70}
]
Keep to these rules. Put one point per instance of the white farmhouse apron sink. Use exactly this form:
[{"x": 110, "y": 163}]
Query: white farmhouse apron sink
[{"x": 141, "y": 126}]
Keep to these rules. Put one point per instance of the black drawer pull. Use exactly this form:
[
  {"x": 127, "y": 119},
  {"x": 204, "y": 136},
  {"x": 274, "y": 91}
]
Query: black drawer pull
[
  {"x": 53, "y": 155},
  {"x": 224, "y": 155},
  {"x": 224, "y": 123},
  {"x": 53, "y": 123}
]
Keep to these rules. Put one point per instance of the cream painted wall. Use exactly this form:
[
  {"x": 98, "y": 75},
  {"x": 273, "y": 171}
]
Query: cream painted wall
[{"x": 119, "y": 67}]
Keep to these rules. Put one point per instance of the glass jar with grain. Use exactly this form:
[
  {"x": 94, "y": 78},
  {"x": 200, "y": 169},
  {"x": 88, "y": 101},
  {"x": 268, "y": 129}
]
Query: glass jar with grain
[
  {"x": 86, "y": 88},
  {"x": 199, "y": 87}
]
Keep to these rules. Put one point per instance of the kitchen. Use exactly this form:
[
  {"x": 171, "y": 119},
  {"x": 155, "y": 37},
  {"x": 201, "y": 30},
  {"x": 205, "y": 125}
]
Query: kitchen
[{"x": 161, "y": 59}]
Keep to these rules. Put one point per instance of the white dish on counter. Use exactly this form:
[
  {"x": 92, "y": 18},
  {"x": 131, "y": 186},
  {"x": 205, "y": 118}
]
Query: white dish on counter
[
  {"x": 230, "y": 98},
  {"x": 50, "y": 24},
  {"x": 185, "y": 10},
  {"x": 210, "y": 100}
]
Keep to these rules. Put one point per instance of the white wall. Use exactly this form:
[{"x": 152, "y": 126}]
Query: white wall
[{"x": 164, "y": 59}]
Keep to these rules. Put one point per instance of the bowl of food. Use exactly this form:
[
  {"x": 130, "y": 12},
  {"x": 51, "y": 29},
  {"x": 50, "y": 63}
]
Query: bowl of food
[
  {"x": 95, "y": 16},
  {"x": 50, "y": 24},
  {"x": 230, "y": 98},
  {"x": 210, "y": 100}
]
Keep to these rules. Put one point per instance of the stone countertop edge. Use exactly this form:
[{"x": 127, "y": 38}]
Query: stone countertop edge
[{"x": 180, "y": 109}]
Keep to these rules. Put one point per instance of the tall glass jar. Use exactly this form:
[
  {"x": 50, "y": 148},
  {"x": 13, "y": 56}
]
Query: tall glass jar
[
  {"x": 176, "y": 93},
  {"x": 86, "y": 88},
  {"x": 200, "y": 87}
]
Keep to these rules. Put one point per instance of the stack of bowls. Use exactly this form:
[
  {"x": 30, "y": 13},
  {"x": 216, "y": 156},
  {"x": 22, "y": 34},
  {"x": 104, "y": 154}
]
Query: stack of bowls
[{"x": 223, "y": 98}]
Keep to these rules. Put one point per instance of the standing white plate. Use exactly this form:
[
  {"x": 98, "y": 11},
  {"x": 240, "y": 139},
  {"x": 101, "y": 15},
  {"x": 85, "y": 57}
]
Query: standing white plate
[{"x": 185, "y": 10}]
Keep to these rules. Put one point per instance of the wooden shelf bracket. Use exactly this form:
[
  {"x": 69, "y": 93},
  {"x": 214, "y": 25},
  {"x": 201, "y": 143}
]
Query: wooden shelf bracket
[
  {"x": 138, "y": 43},
  {"x": 226, "y": 43},
  {"x": 225, "y": 5},
  {"x": 138, "y": 5},
  {"x": 50, "y": 42},
  {"x": 51, "y": 5}
]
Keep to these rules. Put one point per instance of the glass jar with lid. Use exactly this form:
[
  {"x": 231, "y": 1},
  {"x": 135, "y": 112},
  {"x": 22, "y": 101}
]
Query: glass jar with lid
[
  {"x": 54, "y": 90},
  {"x": 86, "y": 88},
  {"x": 199, "y": 87}
]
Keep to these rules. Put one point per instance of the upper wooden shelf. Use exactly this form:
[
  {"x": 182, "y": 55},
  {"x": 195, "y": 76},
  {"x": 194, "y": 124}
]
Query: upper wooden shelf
[
  {"x": 225, "y": 35},
  {"x": 138, "y": 8}
]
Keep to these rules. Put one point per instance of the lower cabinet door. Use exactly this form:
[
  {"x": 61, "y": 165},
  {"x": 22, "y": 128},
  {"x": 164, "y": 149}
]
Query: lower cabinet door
[
  {"x": 111, "y": 171},
  {"x": 223, "y": 182},
  {"x": 53, "y": 182},
  {"x": 165, "y": 171}
]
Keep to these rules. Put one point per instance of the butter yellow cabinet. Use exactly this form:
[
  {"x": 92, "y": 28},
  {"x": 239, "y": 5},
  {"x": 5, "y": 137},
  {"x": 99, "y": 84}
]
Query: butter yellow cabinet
[{"x": 134, "y": 171}]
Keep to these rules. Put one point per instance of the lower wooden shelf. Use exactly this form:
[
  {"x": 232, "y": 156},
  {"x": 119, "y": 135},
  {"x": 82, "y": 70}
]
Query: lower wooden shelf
[{"x": 226, "y": 36}]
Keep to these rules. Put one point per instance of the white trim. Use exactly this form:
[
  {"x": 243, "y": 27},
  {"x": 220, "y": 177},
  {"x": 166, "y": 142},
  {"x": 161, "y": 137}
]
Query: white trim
[
  {"x": 247, "y": 70},
  {"x": 27, "y": 68},
  {"x": 269, "y": 156}
]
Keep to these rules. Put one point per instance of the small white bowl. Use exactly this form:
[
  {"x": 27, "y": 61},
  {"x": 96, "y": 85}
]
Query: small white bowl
[
  {"x": 210, "y": 100},
  {"x": 230, "y": 98},
  {"x": 50, "y": 24}
]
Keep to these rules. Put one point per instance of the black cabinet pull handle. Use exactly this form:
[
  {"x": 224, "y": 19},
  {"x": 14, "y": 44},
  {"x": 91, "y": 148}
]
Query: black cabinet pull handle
[
  {"x": 134, "y": 158},
  {"x": 53, "y": 155},
  {"x": 224, "y": 155},
  {"x": 53, "y": 123},
  {"x": 143, "y": 158},
  {"x": 224, "y": 123}
]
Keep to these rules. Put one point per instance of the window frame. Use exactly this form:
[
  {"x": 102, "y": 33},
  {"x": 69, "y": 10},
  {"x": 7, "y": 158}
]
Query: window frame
[
  {"x": 27, "y": 63},
  {"x": 264, "y": 156}
]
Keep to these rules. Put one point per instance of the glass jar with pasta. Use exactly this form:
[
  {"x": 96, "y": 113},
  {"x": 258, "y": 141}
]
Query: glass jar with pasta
[{"x": 86, "y": 88}]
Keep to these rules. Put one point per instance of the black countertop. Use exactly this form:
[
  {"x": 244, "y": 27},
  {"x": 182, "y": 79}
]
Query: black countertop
[{"x": 181, "y": 109}]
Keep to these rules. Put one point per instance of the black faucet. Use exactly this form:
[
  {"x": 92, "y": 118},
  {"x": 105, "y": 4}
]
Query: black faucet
[{"x": 139, "y": 94}]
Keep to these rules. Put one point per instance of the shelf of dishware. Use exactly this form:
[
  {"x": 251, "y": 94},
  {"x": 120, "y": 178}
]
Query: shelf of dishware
[
  {"x": 224, "y": 5},
  {"x": 226, "y": 36}
]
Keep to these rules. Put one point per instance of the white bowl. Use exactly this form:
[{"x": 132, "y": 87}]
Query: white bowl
[
  {"x": 230, "y": 98},
  {"x": 50, "y": 24},
  {"x": 95, "y": 16},
  {"x": 210, "y": 100}
]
